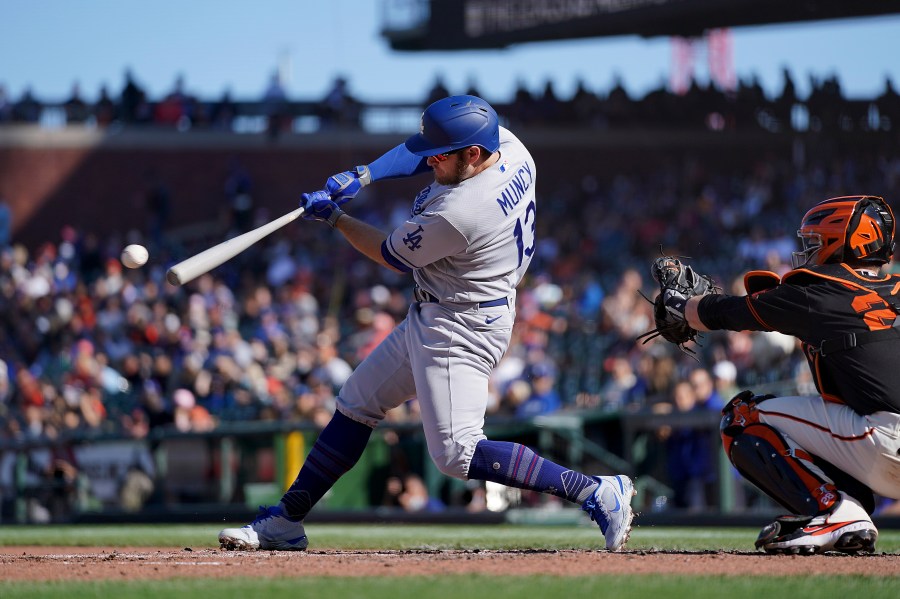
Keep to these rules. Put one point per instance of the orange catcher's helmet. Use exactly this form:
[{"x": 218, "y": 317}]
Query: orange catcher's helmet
[{"x": 858, "y": 230}]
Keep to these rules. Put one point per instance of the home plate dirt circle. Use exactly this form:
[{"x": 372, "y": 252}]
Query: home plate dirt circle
[{"x": 97, "y": 563}]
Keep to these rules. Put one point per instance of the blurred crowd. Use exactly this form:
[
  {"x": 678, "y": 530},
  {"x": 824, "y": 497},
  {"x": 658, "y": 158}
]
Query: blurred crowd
[
  {"x": 89, "y": 348},
  {"x": 701, "y": 106}
]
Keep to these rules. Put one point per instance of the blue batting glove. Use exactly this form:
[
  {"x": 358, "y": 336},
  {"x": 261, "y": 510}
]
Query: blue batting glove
[
  {"x": 343, "y": 187},
  {"x": 318, "y": 206}
]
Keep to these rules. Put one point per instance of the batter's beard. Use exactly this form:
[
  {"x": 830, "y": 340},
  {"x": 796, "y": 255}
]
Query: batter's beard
[{"x": 456, "y": 176}]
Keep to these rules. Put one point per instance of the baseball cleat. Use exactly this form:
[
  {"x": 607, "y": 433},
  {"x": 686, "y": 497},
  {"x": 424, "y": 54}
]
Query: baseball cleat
[
  {"x": 808, "y": 535},
  {"x": 270, "y": 530},
  {"x": 610, "y": 508}
]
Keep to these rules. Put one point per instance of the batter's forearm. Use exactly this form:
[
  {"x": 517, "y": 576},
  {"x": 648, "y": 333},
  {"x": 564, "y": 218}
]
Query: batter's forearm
[
  {"x": 365, "y": 238},
  {"x": 397, "y": 162}
]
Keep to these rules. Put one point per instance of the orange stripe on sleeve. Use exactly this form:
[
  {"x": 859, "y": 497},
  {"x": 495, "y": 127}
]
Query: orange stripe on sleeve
[{"x": 758, "y": 318}]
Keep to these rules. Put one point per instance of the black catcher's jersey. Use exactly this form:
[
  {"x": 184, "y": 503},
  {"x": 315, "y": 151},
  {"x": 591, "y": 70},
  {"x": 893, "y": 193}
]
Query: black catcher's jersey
[{"x": 819, "y": 304}]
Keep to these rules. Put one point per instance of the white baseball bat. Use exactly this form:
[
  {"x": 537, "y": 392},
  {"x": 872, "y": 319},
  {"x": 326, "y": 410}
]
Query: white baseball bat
[{"x": 188, "y": 270}]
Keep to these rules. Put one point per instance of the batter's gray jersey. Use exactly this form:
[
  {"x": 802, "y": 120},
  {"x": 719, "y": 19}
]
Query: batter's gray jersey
[
  {"x": 467, "y": 245},
  {"x": 472, "y": 242}
]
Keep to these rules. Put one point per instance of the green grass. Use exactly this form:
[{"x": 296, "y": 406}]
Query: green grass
[
  {"x": 398, "y": 537},
  {"x": 495, "y": 587}
]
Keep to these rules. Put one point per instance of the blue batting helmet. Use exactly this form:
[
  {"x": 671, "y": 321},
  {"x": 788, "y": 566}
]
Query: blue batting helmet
[{"x": 456, "y": 122}]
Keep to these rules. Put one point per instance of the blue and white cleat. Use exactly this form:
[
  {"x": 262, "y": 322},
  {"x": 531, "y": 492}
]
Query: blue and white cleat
[
  {"x": 610, "y": 508},
  {"x": 270, "y": 530}
]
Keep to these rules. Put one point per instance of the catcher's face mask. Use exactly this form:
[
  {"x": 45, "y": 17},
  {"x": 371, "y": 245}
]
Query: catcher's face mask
[{"x": 812, "y": 243}]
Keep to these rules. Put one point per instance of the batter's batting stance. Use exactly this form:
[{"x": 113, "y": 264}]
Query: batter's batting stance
[
  {"x": 468, "y": 241},
  {"x": 819, "y": 456}
]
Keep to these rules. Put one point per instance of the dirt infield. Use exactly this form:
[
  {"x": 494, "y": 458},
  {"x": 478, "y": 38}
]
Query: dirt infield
[{"x": 77, "y": 563}]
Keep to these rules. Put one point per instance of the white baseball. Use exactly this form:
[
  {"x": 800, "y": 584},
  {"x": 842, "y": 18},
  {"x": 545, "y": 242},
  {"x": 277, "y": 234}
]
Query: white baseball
[{"x": 134, "y": 256}]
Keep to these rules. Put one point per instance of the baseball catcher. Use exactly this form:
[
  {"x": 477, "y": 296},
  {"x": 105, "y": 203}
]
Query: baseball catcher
[
  {"x": 822, "y": 457},
  {"x": 677, "y": 284}
]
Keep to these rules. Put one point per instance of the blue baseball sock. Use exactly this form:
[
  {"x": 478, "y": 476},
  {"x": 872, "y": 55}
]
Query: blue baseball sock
[
  {"x": 515, "y": 465},
  {"x": 337, "y": 449}
]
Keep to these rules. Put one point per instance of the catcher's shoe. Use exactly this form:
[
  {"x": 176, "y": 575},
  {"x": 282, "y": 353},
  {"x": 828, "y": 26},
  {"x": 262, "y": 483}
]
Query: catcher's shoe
[
  {"x": 270, "y": 530},
  {"x": 846, "y": 528},
  {"x": 610, "y": 508}
]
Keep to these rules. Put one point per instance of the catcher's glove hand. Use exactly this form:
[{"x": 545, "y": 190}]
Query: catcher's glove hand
[{"x": 677, "y": 284}]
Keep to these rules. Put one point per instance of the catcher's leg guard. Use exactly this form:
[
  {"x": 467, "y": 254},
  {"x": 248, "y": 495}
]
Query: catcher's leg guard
[
  {"x": 766, "y": 458},
  {"x": 848, "y": 484}
]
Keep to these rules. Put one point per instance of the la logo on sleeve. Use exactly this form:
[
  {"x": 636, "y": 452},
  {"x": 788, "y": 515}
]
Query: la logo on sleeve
[{"x": 413, "y": 239}]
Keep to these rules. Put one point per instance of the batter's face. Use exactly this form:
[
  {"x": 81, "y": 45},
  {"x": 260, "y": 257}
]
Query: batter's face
[{"x": 452, "y": 171}]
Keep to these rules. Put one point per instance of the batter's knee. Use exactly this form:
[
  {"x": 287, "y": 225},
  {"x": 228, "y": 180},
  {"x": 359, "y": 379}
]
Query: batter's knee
[
  {"x": 359, "y": 413},
  {"x": 455, "y": 461}
]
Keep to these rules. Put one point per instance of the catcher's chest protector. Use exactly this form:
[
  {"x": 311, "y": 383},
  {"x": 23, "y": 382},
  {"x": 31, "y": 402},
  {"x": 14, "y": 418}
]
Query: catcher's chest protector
[
  {"x": 881, "y": 305},
  {"x": 886, "y": 288},
  {"x": 764, "y": 457}
]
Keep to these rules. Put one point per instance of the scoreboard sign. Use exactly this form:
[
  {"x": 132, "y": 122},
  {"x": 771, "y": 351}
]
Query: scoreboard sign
[{"x": 472, "y": 24}]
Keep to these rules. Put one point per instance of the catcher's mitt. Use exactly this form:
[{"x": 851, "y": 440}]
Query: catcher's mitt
[{"x": 677, "y": 284}]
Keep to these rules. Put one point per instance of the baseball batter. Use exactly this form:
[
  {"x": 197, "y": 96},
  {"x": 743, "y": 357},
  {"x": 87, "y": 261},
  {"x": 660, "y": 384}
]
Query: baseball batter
[
  {"x": 468, "y": 241},
  {"x": 819, "y": 456}
]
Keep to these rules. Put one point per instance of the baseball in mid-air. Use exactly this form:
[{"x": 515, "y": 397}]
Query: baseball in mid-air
[{"x": 134, "y": 255}]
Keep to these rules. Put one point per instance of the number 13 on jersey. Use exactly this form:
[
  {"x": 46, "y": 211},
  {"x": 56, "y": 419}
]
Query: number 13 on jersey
[{"x": 524, "y": 233}]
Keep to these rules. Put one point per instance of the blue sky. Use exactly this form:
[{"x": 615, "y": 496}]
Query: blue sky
[{"x": 219, "y": 44}]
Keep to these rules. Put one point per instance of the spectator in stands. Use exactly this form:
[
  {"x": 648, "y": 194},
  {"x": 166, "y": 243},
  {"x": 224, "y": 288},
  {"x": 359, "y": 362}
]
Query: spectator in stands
[
  {"x": 5, "y": 223},
  {"x": 705, "y": 390},
  {"x": 158, "y": 204},
  {"x": 623, "y": 389},
  {"x": 624, "y": 311},
  {"x": 584, "y": 108},
  {"x": 784, "y": 103},
  {"x": 27, "y": 109},
  {"x": 275, "y": 106},
  {"x": 239, "y": 196},
  {"x": 339, "y": 108},
  {"x": 548, "y": 107},
  {"x": 331, "y": 367},
  {"x": 6, "y": 107},
  {"x": 136, "y": 489},
  {"x": 543, "y": 398},
  {"x": 888, "y": 105},
  {"x": 105, "y": 108},
  {"x": 178, "y": 108},
  {"x": 415, "y": 497},
  {"x": 133, "y": 104},
  {"x": 725, "y": 377},
  {"x": 188, "y": 416},
  {"x": 438, "y": 91},
  {"x": 5, "y": 387},
  {"x": 522, "y": 110},
  {"x": 688, "y": 452},
  {"x": 618, "y": 105},
  {"x": 77, "y": 110},
  {"x": 823, "y": 103},
  {"x": 223, "y": 112},
  {"x": 56, "y": 491}
]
